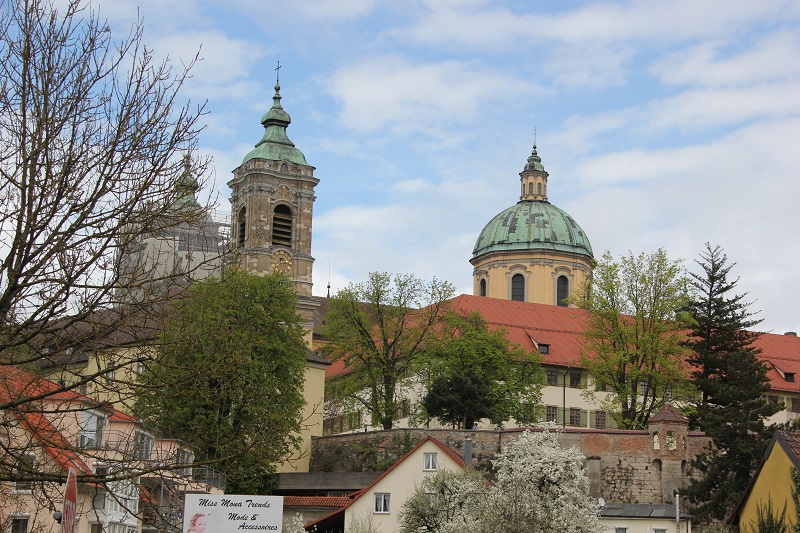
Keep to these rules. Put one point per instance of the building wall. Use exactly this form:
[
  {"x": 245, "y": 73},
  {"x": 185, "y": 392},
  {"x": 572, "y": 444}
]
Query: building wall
[
  {"x": 774, "y": 481},
  {"x": 643, "y": 525},
  {"x": 313, "y": 388},
  {"x": 541, "y": 269},
  {"x": 623, "y": 466}
]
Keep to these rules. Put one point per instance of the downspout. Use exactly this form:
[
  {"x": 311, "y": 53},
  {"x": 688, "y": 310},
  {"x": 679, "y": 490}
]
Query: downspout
[{"x": 564, "y": 398}]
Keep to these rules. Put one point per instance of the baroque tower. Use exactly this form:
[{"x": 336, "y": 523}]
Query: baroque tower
[
  {"x": 272, "y": 203},
  {"x": 533, "y": 251}
]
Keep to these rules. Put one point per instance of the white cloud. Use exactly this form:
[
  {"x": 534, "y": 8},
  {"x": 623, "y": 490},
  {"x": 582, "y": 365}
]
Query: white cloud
[
  {"x": 695, "y": 110},
  {"x": 393, "y": 92},
  {"x": 276, "y": 12},
  {"x": 774, "y": 57},
  {"x": 224, "y": 64}
]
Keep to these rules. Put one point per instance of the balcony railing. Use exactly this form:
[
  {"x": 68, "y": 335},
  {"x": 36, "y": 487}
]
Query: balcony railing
[{"x": 131, "y": 447}]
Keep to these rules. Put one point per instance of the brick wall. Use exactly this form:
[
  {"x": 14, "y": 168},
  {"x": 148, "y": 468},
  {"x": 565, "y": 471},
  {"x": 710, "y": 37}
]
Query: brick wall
[{"x": 623, "y": 466}]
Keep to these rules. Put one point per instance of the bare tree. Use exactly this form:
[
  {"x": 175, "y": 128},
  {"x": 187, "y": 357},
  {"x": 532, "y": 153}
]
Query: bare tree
[{"x": 93, "y": 144}]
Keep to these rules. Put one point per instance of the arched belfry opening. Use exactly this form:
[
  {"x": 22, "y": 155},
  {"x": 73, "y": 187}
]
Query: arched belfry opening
[
  {"x": 241, "y": 227},
  {"x": 282, "y": 226}
]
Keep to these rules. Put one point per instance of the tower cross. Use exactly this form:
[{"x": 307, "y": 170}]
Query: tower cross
[{"x": 278, "y": 74}]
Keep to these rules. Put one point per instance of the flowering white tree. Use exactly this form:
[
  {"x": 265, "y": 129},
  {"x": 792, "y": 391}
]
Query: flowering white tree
[
  {"x": 539, "y": 487},
  {"x": 444, "y": 502}
]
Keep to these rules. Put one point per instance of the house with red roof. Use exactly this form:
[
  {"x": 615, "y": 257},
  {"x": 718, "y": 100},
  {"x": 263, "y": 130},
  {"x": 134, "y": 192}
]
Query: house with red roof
[
  {"x": 129, "y": 479},
  {"x": 381, "y": 501}
]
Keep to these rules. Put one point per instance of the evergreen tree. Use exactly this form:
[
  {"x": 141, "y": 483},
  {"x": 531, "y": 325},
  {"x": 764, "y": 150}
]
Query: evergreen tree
[
  {"x": 733, "y": 382},
  {"x": 721, "y": 322}
]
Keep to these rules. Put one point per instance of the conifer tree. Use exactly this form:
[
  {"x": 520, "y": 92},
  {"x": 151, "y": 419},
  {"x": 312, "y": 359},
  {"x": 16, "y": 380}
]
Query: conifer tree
[{"x": 733, "y": 383}]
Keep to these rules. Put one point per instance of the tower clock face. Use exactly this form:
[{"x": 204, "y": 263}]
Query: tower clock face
[{"x": 281, "y": 262}]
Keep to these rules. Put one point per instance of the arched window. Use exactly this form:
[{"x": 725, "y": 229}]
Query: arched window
[
  {"x": 518, "y": 288},
  {"x": 282, "y": 226},
  {"x": 530, "y": 188},
  {"x": 539, "y": 188},
  {"x": 241, "y": 227},
  {"x": 284, "y": 167},
  {"x": 482, "y": 287},
  {"x": 562, "y": 291}
]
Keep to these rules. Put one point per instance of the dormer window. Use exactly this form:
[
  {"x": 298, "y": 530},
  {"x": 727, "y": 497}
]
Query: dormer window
[
  {"x": 544, "y": 348},
  {"x": 789, "y": 377}
]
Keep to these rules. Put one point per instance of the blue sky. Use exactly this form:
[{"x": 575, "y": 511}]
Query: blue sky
[{"x": 662, "y": 124}]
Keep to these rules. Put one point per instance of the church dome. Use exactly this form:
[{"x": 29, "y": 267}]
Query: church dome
[{"x": 533, "y": 225}]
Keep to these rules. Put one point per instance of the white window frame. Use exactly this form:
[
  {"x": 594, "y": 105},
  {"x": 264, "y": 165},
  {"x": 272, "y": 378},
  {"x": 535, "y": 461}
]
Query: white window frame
[
  {"x": 22, "y": 517},
  {"x": 185, "y": 455},
  {"x": 143, "y": 444},
  {"x": 382, "y": 501},
  {"x": 430, "y": 461},
  {"x": 25, "y": 487},
  {"x": 92, "y": 425}
]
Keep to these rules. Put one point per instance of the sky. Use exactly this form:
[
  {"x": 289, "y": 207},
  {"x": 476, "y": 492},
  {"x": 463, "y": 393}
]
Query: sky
[{"x": 661, "y": 124}]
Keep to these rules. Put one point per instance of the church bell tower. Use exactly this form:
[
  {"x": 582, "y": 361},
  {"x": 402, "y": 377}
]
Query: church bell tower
[{"x": 272, "y": 203}]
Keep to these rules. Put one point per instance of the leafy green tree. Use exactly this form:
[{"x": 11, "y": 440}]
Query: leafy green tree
[
  {"x": 480, "y": 369},
  {"x": 378, "y": 328},
  {"x": 229, "y": 376},
  {"x": 734, "y": 385},
  {"x": 633, "y": 338},
  {"x": 460, "y": 399}
]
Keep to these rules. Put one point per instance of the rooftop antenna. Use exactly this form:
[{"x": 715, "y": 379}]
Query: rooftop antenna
[{"x": 329, "y": 277}]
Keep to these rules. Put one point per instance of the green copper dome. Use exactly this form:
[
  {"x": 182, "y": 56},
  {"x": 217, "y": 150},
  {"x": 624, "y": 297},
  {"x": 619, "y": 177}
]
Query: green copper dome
[
  {"x": 275, "y": 144},
  {"x": 532, "y": 225}
]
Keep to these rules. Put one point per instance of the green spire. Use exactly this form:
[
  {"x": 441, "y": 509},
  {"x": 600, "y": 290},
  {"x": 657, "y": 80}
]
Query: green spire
[
  {"x": 275, "y": 145},
  {"x": 534, "y": 161},
  {"x": 186, "y": 186}
]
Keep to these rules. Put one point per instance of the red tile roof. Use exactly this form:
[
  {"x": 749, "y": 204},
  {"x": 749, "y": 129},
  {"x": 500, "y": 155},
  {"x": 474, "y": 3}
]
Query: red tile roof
[
  {"x": 334, "y": 502},
  {"x": 668, "y": 413},
  {"x": 562, "y": 328},
  {"x": 21, "y": 392}
]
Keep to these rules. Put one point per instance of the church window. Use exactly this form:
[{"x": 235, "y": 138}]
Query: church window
[
  {"x": 240, "y": 227},
  {"x": 482, "y": 288},
  {"x": 284, "y": 167},
  {"x": 539, "y": 188},
  {"x": 518, "y": 288},
  {"x": 562, "y": 291},
  {"x": 282, "y": 226},
  {"x": 530, "y": 188}
]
